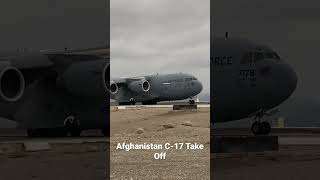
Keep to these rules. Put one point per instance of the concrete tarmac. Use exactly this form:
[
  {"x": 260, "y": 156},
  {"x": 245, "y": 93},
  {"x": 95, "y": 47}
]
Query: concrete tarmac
[
  {"x": 54, "y": 140},
  {"x": 298, "y": 157}
]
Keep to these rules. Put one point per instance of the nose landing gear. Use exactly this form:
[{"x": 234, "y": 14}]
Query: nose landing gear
[
  {"x": 260, "y": 127},
  {"x": 191, "y": 101}
]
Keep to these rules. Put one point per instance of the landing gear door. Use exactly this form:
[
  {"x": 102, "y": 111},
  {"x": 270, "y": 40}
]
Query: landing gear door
[{"x": 165, "y": 89}]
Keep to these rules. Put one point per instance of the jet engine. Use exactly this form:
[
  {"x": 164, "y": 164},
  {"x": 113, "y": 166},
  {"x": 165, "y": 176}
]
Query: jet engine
[
  {"x": 139, "y": 86},
  {"x": 88, "y": 78},
  {"x": 113, "y": 87},
  {"x": 11, "y": 83}
]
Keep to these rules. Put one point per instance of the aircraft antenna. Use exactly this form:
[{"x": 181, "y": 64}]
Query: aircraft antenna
[{"x": 227, "y": 35}]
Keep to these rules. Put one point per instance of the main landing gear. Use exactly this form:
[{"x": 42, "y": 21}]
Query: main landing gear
[
  {"x": 132, "y": 101},
  {"x": 71, "y": 127}
]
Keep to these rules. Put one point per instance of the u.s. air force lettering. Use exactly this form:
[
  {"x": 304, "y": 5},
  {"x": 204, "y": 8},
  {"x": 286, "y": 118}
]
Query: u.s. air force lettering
[{"x": 221, "y": 60}]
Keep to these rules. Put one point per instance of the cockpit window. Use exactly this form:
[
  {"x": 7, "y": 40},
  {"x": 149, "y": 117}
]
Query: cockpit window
[
  {"x": 252, "y": 57},
  {"x": 191, "y": 78},
  {"x": 272, "y": 55}
]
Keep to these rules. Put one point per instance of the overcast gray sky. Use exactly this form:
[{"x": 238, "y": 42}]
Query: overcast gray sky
[
  {"x": 53, "y": 24},
  {"x": 160, "y": 36},
  {"x": 290, "y": 27}
]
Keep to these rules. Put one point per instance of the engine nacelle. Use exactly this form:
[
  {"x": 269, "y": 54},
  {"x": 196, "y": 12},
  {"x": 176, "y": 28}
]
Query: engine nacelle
[
  {"x": 11, "y": 83},
  {"x": 113, "y": 87},
  {"x": 139, "y": 86},
  {"x": 88, "y": 78}
]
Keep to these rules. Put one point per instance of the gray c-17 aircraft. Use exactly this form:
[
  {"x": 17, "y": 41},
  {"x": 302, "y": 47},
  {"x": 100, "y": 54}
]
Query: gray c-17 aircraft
[
  {"x": 247, "y": 80},
  {"x": 154, "y": 88},
  {"x": 56, "y": 93}
]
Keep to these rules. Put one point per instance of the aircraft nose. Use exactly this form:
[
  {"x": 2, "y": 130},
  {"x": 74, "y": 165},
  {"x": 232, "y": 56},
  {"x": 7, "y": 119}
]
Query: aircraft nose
[
  {"x": 286, "y": 81},
  {"x": 279, "y": 81},
  {"x": 199, "y": 86},
  {"x": 290, "y": 78}
]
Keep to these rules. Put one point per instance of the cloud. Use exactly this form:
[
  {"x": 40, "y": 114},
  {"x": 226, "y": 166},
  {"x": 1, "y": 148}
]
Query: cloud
[
  {"x": 47, "y": 24},
  {"x": 160, "y": 36}
]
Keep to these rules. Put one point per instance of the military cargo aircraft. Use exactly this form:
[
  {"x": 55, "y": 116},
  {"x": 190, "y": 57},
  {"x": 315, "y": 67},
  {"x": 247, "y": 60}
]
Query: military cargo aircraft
[
  {"x": 154, "y": 88},
  {"x": 56, "y": 93},
  {"x": 248, "y": 79}
]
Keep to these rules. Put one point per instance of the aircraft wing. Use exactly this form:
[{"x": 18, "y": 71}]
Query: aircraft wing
[
  {"x": 30, "y": 61},
  {"x": 128, "y": 80},
  {"x": 44, "y": 58},
  {"x": 124, "y": 82},
  {"x": 35, "y": 65},
  {"x": 101, "y": 51}
]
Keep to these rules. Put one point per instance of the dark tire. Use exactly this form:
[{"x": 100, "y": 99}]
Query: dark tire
[
  {"x": 191, "y": 101},
  {"x": 266, "y": 128},
  {"x": 256, "y": 128},
  {"x": 72, "y": 126},
  {"x": 132, "y": 101}
]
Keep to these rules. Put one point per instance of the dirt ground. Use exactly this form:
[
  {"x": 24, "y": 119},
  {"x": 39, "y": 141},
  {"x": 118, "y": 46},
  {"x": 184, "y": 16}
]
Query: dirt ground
[
  {"x": 63, "y": 162},
  {"x": 290, "y": 163},
  {"x": 159, "y": 125}
]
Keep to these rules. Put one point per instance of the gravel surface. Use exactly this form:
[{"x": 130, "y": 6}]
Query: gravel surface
[
  {"x": 160, "y": 125},
  {"x": 63, "y": 162}
]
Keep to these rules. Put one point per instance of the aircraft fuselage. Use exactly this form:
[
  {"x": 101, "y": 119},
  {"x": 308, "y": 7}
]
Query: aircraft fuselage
[
  {"x": 247, "y": 77},
  {"x": 165, "y": 87}
]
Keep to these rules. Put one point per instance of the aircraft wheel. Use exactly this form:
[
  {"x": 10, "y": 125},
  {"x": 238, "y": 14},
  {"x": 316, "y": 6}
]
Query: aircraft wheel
[
  {"x": 256, "y": 128},
  {"x": 72, "y": 126},
  {"x": 261, "y": 128},
  {"x": 132, "y": 101},
  {"x": 191, "y": 101},
  {"x": 266, "y": 127}
]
